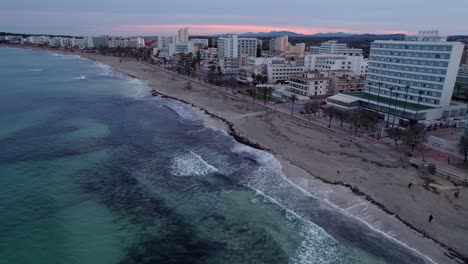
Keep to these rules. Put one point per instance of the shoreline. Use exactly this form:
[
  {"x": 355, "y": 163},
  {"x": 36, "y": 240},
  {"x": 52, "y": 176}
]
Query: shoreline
[
  {"x": 237, "y": 135},
  {"x": 247, "y": 137}
]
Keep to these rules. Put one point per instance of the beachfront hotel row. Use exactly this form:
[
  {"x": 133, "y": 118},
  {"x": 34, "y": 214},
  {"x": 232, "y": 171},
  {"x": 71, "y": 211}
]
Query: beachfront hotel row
[{"x": 417, "y": 77}]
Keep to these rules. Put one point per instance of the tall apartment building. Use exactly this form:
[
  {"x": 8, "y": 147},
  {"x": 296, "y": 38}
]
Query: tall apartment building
[
  {"x": 461, "y": 86},
  {"x": 427, "y": 64},
  {"x": 279, "y": 44},
  {"x": 282, "y": 45},
  {"x": 228, "y": 46},
  {"x": 183, "y": 35},
  {"x": 247, "y": 46},
  {"x": 231, "y": 46}
]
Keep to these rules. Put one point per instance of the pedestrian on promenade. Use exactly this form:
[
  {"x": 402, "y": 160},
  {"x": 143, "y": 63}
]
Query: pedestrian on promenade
[
  {"x": 457, "y": 194},
  {"x": 338, "y": 171},
  {"x": 410, "y": 184},
  {"x": 431, "y": 218}
]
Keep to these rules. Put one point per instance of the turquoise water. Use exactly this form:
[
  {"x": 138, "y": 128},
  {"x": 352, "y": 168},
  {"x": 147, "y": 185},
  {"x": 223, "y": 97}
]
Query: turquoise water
[{"x": 93, "y": 170}]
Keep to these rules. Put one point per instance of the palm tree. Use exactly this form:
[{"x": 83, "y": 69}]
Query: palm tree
[
  {"x": 420, "y": 92},
  {"x": 330, "y": 111},
  {"x": 378, "y": 97},
  {"x": 293, "y": 98},
  {"x": 389, "y": 103},
  {"x": 407, "y": 87},
  {"x": 394, "y": 114},
  {"x": 368, "y": 94}
]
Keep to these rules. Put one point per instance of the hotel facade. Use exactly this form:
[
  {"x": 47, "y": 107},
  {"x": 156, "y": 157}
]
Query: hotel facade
[{"x": 414, "y": 78}]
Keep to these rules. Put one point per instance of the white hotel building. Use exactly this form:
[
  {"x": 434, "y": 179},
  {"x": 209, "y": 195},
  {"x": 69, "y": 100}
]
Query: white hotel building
[
  {"x": 328, "y": 62},
  {"x": 427, "y": 64},
  {"x": 231, "y": 46}
]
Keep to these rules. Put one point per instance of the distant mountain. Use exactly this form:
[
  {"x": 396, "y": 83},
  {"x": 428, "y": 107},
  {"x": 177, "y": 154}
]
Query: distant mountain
[
  {"x": 332, "y": 35},
  {"x": 272, "y": 34}
]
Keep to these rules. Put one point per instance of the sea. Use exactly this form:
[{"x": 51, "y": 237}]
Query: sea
[{"x": 93, "y": 169}]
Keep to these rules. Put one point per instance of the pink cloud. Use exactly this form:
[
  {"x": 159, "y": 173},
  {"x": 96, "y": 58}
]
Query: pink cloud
[{"x": 218, "y": 29}]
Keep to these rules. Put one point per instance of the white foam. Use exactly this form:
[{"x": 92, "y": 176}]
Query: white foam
[
  {"x": 81, "y": 77},
  {"x": 34, "y": 70},
  {"x": 317, "y": 245},
  {"x": 371, "y": 225},
  {"x": 268, "y": 165},
  {"x": 191, "y": 164}
]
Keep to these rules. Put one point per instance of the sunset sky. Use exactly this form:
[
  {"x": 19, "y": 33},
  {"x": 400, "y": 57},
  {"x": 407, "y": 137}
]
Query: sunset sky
[{"x": 155, "y": 17}]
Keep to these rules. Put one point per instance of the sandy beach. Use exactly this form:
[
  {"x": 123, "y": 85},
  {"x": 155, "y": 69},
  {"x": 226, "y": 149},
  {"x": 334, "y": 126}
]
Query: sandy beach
[{"x": 363, "y": 180}]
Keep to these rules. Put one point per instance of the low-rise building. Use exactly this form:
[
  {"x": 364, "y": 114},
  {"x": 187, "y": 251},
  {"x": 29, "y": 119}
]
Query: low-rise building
[
  {"x": 282, "y": 72},
  {"x": 345, "y": 81},
  {"x": 312, "y": 84},
  {"x": 326, "y": 62}
]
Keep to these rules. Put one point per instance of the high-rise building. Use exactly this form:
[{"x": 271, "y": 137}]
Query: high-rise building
[
  {"x": 247, "y": 46},
  {"x": 228, "y": 46},
  {"x": 414, "y": 78},
  {"x": 279, "y": 44},
  {"x": 183, "y": 35}
]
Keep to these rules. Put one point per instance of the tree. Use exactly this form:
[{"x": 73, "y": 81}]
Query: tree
[
  {"x": 311, "y": 107},
  {"x": 342, "y": 115},
  {"x": 464, "y": 145},
  {"x": 396, "y": 134},
  {"x": 407, "y": 87},
  {"x": 259, "y": 51},
  {"x": 420, "y": 92},
  {"x": 415, "y": 135},
  {"x": 330, "y": 112},
  {"x": 389, "y": 104},
  {"x": 293, "y": 98},
  {"x": 378, "y": 96},
  {"x": 355, "y": 119}
]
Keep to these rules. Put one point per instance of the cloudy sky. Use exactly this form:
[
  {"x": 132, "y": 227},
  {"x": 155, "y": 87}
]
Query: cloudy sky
[{"x": 154, "y": 17}]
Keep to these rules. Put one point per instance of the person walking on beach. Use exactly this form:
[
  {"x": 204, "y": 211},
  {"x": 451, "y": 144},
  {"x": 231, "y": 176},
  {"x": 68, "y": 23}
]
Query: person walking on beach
[
  {"x": 410, "y": 184},
  {"x": 431, "y": 218},
  {"x": 457, "y": 194}
]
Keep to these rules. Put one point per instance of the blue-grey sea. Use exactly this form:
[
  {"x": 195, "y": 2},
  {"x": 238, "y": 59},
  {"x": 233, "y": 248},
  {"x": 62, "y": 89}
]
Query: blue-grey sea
[{"x": 95, "y": 170}]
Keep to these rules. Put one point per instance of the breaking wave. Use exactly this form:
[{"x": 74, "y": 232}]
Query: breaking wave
[{"x": 191, "y": 164}]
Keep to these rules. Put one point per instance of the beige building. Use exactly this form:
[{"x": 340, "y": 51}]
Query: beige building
[
  {"x": 312, "y": 84},
  {"x": 345, "y": 81},
  {"x": 282, "y": 45}
]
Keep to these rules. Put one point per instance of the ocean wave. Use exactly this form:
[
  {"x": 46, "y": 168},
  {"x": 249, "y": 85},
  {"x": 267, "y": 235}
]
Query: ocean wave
[
  {"x": 34, "y": 70},
  {"x": 56, "y": 54},
  {"x": 184, "y": 111},
  {"x": 191, "y": 164},
  {"x": 105, "y": 70},
  {"x": 81, "y": 77}
]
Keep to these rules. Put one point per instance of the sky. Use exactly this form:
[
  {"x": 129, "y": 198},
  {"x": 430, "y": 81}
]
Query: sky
[{"x": 203, "y": 17}]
